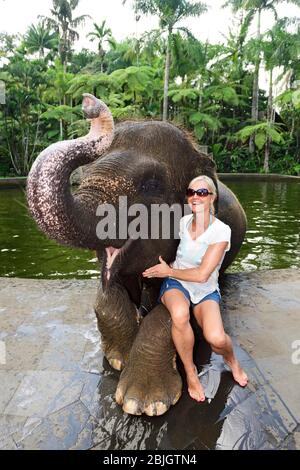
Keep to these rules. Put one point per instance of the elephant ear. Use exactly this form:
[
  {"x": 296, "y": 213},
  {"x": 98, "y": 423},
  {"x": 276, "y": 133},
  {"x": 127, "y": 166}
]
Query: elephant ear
[{"x": 207, "y": 166}]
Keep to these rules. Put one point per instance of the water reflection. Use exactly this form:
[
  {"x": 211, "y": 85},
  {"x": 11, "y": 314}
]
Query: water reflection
[{"x": 272, "y": 239}]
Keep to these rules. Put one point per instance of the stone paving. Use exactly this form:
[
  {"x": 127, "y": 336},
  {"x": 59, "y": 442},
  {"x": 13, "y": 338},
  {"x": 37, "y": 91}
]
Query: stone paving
[{"x": 57, "y": 390}]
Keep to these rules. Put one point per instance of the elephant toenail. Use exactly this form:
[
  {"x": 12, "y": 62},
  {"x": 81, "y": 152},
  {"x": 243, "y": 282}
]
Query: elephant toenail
[
  {"x": 156, "y": 409},
  {"x": 119, "y": 396},
  {"x": 132, "y": 407},
  {"x": 116, "y": 364},
  {"x": 161, "y": 408}
]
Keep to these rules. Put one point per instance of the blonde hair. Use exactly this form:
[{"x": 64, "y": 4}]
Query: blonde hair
[{"x": 211, "y": 186}]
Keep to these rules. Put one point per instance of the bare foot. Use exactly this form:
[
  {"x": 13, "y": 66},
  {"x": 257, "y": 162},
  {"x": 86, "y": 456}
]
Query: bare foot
[
  {"x": 195, "y": 388},
  {"x": 238, "y": 373}
]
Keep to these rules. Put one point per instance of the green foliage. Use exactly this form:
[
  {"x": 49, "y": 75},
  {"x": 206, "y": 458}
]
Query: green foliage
[
  {"x": 64, "y": 112},
  {"x": 62, "y": 21},
  {"x": 87, "y": 83},
  {"x": 209, "y": 93},
  {"x": 262, "y": 132},
  {"x": 183, "y": 94},
  {"x": 223, "y": 93},
  {"x": 205, "y": 119},
  {"x": 7, "y": 44},
  {"x": 82, "y": 60},
  {"x": 133, "y": 81},
  {"x": 38, "y": 38}
]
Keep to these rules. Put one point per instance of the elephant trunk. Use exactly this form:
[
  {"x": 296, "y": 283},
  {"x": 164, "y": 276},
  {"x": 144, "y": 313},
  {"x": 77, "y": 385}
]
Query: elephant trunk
[{"x": 62, "y": 216}]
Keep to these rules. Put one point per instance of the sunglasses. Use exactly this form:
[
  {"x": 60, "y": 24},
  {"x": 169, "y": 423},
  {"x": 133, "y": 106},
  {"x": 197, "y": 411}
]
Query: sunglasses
[{"x": 202, "y": 192}]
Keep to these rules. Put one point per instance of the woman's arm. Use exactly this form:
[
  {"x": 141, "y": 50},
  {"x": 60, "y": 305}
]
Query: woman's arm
[{"x": 210, "y": 261}]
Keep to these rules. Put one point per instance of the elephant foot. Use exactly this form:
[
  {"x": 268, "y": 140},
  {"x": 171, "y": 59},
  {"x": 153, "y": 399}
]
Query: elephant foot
[
  {"x": 118, "y": 323},
  {"x": 147, "y": 391},
  {"x": 117, "y": 355},
  {"x": 150, "y": 382},
  {"x": 115, "y": 360}
]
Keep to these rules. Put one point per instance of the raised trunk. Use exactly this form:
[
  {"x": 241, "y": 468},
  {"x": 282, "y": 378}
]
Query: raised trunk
[
  {"x": 166, "y": 82},
  {"x": 255, "y": 90},
  {"x": 62, "y": 216}
]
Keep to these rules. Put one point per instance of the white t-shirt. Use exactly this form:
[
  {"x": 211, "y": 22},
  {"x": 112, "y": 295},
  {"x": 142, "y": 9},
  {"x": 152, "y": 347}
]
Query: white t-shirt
[{"x": 190, "y": 253}]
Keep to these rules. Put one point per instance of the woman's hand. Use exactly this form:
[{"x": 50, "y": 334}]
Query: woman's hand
[{"x": 159, "y": 270}]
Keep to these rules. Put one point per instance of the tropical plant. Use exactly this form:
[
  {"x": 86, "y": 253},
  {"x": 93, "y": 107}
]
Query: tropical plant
[
  {"x": 257, "y": 7},
  {"x": 64, "y": 24},
  {"x": 7, "y": 44},
  {"x": 102, "y": 34},
  {"x": 58, "y": 83},
  {"x": 170, "y": 13},
  {"x": 38, "y": 38},
  {"x": 20, "y": 118},
  {"x": 210, "y": 88}
]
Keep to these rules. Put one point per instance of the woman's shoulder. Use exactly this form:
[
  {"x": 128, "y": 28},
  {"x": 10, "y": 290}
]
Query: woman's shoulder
[
  {"x": 221, "y": 226},
  {"x": 185, "y": 220},
  {"x": 183, "y": 224}
]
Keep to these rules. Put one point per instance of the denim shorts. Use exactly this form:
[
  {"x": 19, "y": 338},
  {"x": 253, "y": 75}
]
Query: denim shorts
[{"x": 169, "y": 283}]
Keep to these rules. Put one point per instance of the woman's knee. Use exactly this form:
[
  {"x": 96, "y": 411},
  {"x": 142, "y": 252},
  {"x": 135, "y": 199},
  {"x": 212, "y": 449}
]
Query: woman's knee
[
  {"x": 180, "y": 316},
  {"x": 217, "y": 340}
]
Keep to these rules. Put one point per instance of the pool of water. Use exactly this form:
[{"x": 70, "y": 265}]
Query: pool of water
[
  {"x": 273, "y": 212},
  {"x": 27, "y": 252},
  {"x": 272, "y": 240}
]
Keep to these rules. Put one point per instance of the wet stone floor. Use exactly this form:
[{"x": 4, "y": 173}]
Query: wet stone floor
[{"x": 57, "y": 390}]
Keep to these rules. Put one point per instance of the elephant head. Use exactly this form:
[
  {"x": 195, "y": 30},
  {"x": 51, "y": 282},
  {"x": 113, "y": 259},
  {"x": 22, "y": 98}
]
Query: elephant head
[{"x": 148, "y": 162}]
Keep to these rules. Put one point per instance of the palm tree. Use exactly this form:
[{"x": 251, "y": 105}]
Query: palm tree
[
  {"x": 257, "y": 7},
  {"x": 170, "y": 13},
  {"x": 102, "y": 34},
  {"x": 63, "y": 23},
  {"x": 56, "y": 92},
  {"x": 38, "y": 38},
  {"x": 280, "y": 49}
]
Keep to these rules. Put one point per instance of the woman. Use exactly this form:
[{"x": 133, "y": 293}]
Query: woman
[{"x": 193, "y": 279}]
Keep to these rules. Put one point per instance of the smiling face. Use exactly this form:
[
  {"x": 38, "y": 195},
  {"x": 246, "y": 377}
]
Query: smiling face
[{"x": 197, "y": 203}]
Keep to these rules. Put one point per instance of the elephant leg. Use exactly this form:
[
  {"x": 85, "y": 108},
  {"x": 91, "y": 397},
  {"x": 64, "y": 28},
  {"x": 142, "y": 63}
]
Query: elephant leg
[
  {"x": 118, "y": 322},
  {"x": 150, "y": 382}
]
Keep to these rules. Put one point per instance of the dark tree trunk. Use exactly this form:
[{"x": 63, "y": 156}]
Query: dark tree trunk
[
  {"x": 255, "y": 90},
  {"x": 270, "y": 115},
  {"x": 167, "y": 75}
]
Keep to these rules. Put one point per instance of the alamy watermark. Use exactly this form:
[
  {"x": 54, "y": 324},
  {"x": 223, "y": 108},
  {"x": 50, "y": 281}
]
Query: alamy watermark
[
  {"x": 2, "y": 353},
  {"x": 137, "y": 221},
  {"x": 295, "y": 357},
  {"x": 2, "y": 92}
]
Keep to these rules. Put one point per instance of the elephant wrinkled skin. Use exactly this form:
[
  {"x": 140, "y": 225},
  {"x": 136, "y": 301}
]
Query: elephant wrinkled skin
[{"x": 149, "y": 162}]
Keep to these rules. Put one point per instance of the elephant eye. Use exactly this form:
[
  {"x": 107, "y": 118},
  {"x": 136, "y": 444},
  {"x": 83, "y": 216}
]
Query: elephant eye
[{"x": 151, "y": 186}]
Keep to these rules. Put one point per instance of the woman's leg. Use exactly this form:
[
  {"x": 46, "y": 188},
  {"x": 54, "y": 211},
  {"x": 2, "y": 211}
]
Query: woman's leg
[
  {"x": 209, "y": 318},
  {"x": 182, "y": 334}
]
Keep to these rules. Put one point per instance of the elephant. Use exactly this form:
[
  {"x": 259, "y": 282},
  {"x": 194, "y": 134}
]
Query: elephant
[{"x": 149, "y": 162}]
